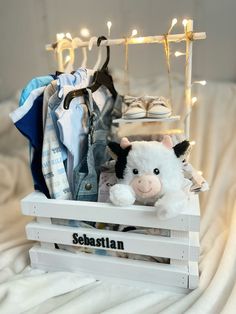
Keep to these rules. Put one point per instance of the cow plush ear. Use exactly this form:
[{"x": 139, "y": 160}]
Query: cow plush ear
[
  {"x": 114, "y": 149},
  {"x": 120, "y": 155},
  {"x": 124, "y": 143},
  {"x": 181, "y": 148}
]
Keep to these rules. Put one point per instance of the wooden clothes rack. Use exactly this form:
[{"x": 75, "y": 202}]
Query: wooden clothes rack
[{"x": 188, "y": 36}]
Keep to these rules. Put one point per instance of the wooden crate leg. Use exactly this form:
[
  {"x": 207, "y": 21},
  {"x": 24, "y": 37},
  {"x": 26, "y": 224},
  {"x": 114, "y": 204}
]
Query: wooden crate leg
[
  {"x": 192, "y": 267},
  {"x": 193, "y": 281}
]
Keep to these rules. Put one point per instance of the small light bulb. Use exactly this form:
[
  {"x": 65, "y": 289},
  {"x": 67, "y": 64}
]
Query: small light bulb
[
  {"x": 174, "y": 21},
  {"x": 68, "y": 35},
  {"x": 185, "y": 22},
  {"x": 109, "y": 24},
  {"x": 84, "y": 32},
  {"x": 178, "y": 54},
  {"x": 194, "y": 100},
  {"x": 60, "y": 36},
  {"x": 200, "y": 172},
  {"x": 200, "y": 82},
  {"x": 192, "y": 143},
  {"x": 134, "y": 32}
]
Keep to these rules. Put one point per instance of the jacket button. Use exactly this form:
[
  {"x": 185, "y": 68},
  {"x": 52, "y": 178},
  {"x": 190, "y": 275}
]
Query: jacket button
[{"x": 88, "y": 186}]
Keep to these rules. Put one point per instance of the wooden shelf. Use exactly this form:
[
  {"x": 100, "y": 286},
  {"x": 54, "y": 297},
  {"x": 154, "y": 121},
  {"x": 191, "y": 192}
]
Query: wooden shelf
[{"x": 169, "y": 119}]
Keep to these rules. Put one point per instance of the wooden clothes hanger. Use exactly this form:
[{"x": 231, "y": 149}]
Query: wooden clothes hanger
[
  {"x": 101, "y": 77},
  {"x": 64, "y": 44}
]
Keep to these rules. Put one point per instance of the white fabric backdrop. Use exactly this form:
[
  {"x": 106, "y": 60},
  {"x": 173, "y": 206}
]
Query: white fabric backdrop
[{"x": 23, "y": 290}]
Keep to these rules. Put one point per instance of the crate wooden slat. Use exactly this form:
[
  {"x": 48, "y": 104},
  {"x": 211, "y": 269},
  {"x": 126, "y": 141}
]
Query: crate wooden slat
[
  {"x": 182, "y": 247},
  {"x": 133, "y": 243},
  {"x": 110, "y": 267},
  {"x": 36, "y": 204}
]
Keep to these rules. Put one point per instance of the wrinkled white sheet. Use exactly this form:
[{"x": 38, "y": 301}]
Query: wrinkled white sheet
[{"x": 23, "y": 290}]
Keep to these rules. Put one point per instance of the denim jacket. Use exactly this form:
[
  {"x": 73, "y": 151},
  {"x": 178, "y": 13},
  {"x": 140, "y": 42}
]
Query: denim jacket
[{"x": 86, "y": 174}]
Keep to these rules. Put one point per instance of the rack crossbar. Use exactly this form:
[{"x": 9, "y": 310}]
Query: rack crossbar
[{"x": 133, "y": 41}]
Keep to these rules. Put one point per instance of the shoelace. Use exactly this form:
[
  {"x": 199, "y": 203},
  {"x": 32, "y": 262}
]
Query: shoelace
[
  {"x": 132, "y": 102},
  {"x": 161, "y": 101}
]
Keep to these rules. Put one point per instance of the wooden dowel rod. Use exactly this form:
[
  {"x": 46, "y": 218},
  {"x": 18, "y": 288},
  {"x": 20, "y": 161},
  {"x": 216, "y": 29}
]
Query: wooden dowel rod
[
  {"x": 188, "y": 78},
  {"x": 133, "y": 41}
]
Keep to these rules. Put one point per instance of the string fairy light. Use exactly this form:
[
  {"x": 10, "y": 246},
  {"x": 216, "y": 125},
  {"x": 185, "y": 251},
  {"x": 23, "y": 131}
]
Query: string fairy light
[
  {"x": 126, "y": 65},
  {"x": 109, "y": 25},
  {"x": 173, "y": 23},
  {"x": 194, "y": 100},
  {"x": 167, "y": 52},
  {"x": 185, "y": 22},
  {"x": 192, "y": 143},
  {"x": 60, "y": 36},
  {"x": 203, "y": 82},
  {"x": 134, "y": 32},
  {"x": 167, "y": 55},
  {"x": 179, "y": 53},
  {"x": 200, "y": 172},
  {"x": 68, "y": 35}
]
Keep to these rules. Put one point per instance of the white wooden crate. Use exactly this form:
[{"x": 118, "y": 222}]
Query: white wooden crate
[{"x": 182, "y": 247}]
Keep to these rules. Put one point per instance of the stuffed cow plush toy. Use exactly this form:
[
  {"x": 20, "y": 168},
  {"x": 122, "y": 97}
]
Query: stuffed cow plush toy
[{"x": 150, "y": 173}]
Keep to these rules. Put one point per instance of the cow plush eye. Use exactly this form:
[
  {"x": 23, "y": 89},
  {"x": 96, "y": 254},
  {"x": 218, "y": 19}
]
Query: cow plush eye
[
  {"x": 135, "y": 171},
  {"x": 156, "y": 171}
]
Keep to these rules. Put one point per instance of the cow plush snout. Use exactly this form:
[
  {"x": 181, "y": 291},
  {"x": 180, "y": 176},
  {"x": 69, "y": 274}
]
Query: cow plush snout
[{"x": 146, "y": 186}]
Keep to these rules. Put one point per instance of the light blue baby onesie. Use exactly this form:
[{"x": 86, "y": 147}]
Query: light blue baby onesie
[{"x": 33, "y": 84}]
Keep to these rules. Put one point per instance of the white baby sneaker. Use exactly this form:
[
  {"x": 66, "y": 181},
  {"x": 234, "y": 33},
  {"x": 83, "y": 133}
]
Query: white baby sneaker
[
  {"x": 158, "y": 108},
  {"x": 136, "y": 108}
]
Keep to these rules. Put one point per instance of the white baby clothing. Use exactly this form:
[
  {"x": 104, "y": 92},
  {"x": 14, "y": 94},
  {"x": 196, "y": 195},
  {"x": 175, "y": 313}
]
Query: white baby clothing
[{"x": 52, "y": 160}]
